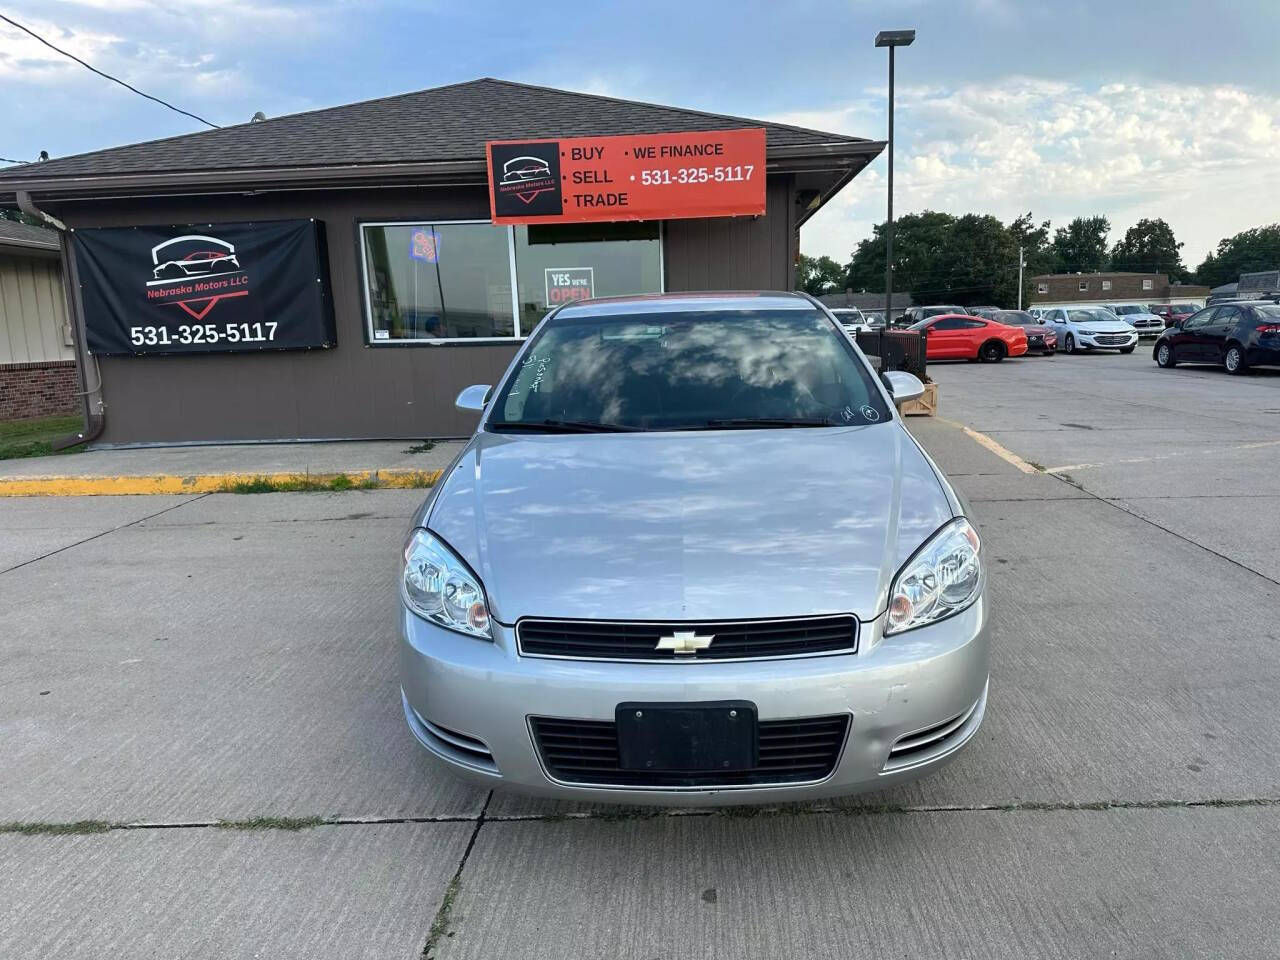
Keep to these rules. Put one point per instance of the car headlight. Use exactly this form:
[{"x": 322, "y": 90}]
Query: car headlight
[
  {"x": 942, "y": 578},
  {"x": 439, "y": 587}
]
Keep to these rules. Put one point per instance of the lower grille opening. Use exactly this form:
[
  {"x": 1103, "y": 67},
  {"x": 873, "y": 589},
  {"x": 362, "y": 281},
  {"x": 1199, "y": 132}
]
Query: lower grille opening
[
  {"x": 791, "y": 751},
  {"x": 934, "y": 741},
  {"x": 460, "y": 746}
]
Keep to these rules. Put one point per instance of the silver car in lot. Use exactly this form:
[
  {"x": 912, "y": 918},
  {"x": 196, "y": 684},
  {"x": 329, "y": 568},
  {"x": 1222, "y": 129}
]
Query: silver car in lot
[{"x": 691, "y": 555}]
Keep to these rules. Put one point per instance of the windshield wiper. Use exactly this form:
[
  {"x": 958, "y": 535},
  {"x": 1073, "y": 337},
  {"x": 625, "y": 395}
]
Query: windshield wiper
[
  {"x": 730, "y": 423},
  {"x": 564, "y": 426}
]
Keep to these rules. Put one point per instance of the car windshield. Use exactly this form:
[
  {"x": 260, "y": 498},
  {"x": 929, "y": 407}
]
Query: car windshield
[
  {"x": 1269, "y": 314},
  {"x": 1183, "y": 307},
  {"x": 711, "y": 369},
  {"x": 1016, "y": 318},
  {"x": 1126, "y": 308},
  {"x": 1089, "y": 316}
]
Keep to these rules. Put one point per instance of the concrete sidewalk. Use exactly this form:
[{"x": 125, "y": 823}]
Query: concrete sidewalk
[{"x": 206, "y": 469}]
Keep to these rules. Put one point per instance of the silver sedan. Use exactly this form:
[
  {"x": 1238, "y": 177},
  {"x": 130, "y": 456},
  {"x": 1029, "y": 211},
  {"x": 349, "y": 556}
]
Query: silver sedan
[{"x": 691, "y": 555}]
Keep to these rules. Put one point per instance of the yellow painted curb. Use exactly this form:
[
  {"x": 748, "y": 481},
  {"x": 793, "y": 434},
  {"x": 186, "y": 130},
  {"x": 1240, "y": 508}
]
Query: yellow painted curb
[{"x": 65, "y": 486}]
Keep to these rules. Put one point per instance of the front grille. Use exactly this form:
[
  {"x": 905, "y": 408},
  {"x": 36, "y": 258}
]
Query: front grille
[
  {"x": 791, "y": 751},
  {"x": 736, "y": 640},
  {"x": 1111, "y": 339}
]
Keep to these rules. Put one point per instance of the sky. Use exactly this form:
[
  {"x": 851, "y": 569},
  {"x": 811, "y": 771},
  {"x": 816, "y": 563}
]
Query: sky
[{"x": 1127, "y": 108}]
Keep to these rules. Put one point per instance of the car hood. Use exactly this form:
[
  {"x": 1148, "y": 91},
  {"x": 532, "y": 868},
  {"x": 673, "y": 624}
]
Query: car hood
[
  {"x": 690, "y": 525},
  {"x": 1103, "y": 326}
]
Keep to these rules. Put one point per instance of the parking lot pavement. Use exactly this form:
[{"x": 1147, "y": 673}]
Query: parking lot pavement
[
  {"x": 232, "y": 658},
  {"x": 238, "y": 458},
  {"x": 1193, "y": 450},
  {"x": 31, "y": 529},
  {"x": 364, "y": 891},
  {"x": 1127, "y": 883}
]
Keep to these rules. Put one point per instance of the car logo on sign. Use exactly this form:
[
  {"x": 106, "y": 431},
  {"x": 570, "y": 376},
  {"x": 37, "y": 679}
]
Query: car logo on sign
[{"x": 685, "y": 641}]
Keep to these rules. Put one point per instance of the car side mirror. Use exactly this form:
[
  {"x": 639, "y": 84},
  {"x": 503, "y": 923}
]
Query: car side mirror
[
  {"x": 903, "y": 386},
  {"x": 473, "y": 398}
]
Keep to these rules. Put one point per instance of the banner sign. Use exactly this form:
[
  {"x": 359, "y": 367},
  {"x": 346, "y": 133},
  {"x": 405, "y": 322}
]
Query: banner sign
[
  {"x": 204, "y": 288},
  {"x": 566, "y": 284},
  {"x": 661, "y": 176}
]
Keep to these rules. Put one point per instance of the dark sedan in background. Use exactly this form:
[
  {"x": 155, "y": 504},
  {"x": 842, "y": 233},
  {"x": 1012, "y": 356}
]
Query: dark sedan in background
[
  {"x": 1040, "y": 336},
  {"x": 1235, "y": 335}
]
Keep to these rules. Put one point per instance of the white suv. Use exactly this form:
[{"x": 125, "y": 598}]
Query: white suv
[
  {"x": 1138, "y": 316},
  {"x": 1085, "y": 328}
]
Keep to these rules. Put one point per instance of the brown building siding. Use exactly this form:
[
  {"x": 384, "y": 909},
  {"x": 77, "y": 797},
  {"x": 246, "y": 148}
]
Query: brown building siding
[
  {"x": 1065, "y": 288},
  {"x": 355, "y": 390}
]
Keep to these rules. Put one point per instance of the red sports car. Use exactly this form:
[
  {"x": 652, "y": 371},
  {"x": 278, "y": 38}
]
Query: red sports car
[{"x": 955, "y": 336}]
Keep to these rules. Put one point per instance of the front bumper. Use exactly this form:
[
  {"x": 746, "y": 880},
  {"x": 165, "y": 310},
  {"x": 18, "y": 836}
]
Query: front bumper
[
  {"x": 469, "y": 703},
  {"x": 1107, "y": 341}
]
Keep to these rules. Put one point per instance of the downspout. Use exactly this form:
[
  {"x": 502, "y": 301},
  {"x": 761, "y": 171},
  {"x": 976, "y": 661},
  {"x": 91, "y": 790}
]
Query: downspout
[{"x": 91, "y": 397}]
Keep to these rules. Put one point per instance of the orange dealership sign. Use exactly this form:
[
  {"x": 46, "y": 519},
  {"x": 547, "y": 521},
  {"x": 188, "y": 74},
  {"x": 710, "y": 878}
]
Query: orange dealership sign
[{"x": 660, "y": 176}]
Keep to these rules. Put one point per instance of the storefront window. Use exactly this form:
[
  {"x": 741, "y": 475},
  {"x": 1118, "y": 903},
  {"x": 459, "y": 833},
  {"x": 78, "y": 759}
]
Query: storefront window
[
  {"x": 555, "y": 264},
  {"x": 437, "y": 281}
]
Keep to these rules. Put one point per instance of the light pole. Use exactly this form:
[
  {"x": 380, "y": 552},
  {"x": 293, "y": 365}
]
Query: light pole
[{"x": 890, "y": 39}]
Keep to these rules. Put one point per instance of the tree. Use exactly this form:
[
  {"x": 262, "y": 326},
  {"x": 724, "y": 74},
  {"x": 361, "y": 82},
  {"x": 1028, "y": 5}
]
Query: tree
[
  {"x": 1081, "y": 246},
  {"x": 1149, "y": 246},
  {"x": 8, "y": 213},
  {"x": 939, "y": 258},
  {"x": 818, "y": 275},
  {"x": 1036, "y": 250},
  {"x": 1246, "y": 252}
]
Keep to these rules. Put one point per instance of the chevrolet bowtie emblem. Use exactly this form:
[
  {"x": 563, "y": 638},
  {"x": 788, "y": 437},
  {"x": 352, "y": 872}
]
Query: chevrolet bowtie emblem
[{"x": 685, "y": 641}]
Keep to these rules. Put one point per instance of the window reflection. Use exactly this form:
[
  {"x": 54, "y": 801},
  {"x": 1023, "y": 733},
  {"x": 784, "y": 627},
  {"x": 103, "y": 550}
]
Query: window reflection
[
  {"x": 429, "y": 281},
  {"x": 663, "y": 371},
  {"x": 555, "y": 263}
]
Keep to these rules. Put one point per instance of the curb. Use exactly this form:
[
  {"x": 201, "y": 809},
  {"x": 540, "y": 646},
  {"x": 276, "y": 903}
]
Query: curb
[{"x": 160, "y": 483}]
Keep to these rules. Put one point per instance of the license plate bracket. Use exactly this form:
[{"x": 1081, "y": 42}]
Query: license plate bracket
[{"x": 719, "y": 736}]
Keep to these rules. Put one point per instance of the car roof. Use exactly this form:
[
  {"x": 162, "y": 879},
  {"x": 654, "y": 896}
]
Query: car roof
[{"x": 688, "y": 303}]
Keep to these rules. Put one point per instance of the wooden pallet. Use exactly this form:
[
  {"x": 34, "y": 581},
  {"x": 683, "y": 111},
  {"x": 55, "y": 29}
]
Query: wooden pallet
[{"x": 926, "y": 406}]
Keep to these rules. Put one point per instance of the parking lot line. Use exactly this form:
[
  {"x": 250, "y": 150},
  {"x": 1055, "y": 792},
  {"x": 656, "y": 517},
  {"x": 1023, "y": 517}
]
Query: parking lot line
[
  {"x": 1212, "y": 451},
  {"x": 986, "y": 442}
]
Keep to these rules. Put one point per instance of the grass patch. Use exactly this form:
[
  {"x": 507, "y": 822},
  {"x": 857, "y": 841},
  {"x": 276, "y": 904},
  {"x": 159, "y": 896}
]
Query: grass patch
[
  {"x": 34, "y": 438},
  {"x": 440, "y": 925},
  {"x": 57, "y": 829},
  {"x": 329, "y": 483},
  {"x": 422, "y": 447},
  {"x": 303, "y": 484},
  {"x": 272, "y": 823}
]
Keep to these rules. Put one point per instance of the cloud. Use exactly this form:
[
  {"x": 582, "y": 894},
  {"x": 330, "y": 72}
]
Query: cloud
[{"x": 1192, "y": 154}]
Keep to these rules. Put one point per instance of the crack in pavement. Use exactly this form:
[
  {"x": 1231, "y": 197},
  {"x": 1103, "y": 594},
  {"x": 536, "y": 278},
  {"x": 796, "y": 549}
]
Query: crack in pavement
[
  {"x": 293, "y": 824},
  {"x": 96, "y": 536},
  {"x": 1117, "y": 505},
  {"x": 440, "y": 922}
]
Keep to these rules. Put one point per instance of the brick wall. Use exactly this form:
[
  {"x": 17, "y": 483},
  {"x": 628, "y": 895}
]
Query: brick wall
[
  {"x": 38, "y": 389},
  {"x": 1065, "y": 288}
]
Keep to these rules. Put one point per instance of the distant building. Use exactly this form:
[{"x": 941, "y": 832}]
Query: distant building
[
  {"x": 1063, "y": 289},
  {"x": 1251, "y": 284},
  {"x": 37, "y": 362},
  {"x": 868, "y": 302}
]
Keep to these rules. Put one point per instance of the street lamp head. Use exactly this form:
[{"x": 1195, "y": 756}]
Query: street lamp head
[{"x": 895, "y": 38}]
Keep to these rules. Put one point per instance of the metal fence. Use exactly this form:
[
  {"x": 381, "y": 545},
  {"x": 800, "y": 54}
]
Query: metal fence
[{"x": 904, "y": 349}]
